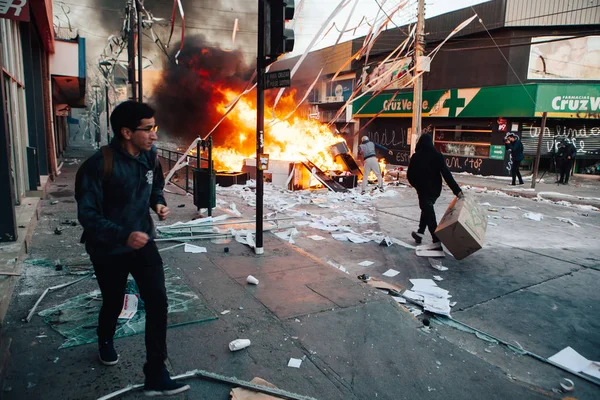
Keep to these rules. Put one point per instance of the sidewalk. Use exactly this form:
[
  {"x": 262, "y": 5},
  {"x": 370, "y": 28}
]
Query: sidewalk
[
  {"x": 355, "y": 342},
  {"x": 582, "y": 189}
]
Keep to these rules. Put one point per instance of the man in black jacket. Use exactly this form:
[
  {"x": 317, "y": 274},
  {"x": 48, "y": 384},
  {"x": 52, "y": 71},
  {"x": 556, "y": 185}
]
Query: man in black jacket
[
  {"x": 516, "y": 147},
  {"x": 565, "y": 156},
  {"x": 425, "y": 171},
  {"x": 115, "y": 190}
]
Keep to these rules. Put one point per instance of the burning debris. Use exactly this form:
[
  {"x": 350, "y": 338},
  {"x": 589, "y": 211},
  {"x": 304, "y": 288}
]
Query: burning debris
[{"x": 195, "y": 94}]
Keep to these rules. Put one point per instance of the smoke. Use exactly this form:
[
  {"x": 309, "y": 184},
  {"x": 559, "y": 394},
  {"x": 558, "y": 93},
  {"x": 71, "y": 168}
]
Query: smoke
[{"x": 187, "y": 95}]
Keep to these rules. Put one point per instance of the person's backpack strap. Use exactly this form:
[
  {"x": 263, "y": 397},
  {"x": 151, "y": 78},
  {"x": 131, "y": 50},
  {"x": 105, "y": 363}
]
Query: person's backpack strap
[{"x": 107, "y": 153}]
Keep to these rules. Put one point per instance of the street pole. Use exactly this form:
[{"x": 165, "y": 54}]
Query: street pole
[
  {"x": 98, "y": 138},
  {"x": 107, "y": 111},
  {"x": 260, "y": 125},
  {"x": 140, "y": 66},
  {"x": 538, "y": 151},
  {"x": 131, "y": 50},
  {"x": 418, "y": 84}
]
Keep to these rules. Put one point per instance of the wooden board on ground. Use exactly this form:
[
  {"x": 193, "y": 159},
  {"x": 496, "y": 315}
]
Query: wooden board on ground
[
  {"x": 247, "y": 394},
  {"x": 324, "y": 178}
]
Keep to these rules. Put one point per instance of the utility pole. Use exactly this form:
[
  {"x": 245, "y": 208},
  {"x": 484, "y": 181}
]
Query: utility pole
[
  {"x": 538, "y": 151},
  {"x": 418, "y": 84},
  {"x": 260, "y": 125},
  {"x": 131, "y": 49},
  {"x": 139, "y": 55}
]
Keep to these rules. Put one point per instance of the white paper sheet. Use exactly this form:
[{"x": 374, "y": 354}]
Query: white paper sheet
[
  {"x": 294, "y": 362},
  {"x": 570, "y": 359},
  {"x": 316, "y": 237},
  {"x": 391, "y": 273},
  {"x": 366, "y": 263},
  {"x": 130, "y": 306},
  {"x": 191, "y": 248}
]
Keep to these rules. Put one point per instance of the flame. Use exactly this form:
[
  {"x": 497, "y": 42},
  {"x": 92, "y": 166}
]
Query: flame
[
  {"x": 382, "y": 164},
  {"x": 294, "y": 139}
]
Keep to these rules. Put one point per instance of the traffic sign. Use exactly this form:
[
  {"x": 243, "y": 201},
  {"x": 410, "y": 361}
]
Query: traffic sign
[{"x": 277, "y": 79}]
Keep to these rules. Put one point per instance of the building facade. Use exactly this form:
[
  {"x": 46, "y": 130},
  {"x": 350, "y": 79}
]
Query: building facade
[{"x": 30, "y": 140}]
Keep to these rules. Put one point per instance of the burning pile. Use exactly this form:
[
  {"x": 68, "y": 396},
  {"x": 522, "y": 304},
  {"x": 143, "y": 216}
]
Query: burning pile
[{"x": 195, "y": 93}]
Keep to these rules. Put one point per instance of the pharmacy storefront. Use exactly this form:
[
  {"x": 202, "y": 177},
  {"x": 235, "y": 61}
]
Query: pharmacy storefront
[{"x": 469, "y": 125}]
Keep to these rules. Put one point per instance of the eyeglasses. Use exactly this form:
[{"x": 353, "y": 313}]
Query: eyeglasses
[{"x": 153, "y": 128}]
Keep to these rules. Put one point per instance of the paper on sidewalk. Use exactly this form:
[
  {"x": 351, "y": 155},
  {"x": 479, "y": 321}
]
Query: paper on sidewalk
[
  {"x": 533, "y": 216},
  {"x": 130, "y": 306},
  {"x": 191, "y": 248},
  {"x": 366, "y": 263},
  {"x": 574, "y": 361},
  {"x": 294, "y": 362},
  {"x": 316, "y": 237},
  {"x": 391, "y": 273},
  {"x": 437, "y": 264}
]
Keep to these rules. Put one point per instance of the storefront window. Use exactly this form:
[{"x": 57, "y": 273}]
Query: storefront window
[{"x": 463, "y": 143}]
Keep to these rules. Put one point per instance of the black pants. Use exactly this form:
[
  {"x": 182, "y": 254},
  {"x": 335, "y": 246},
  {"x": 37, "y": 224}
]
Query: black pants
[
  {"x": 146, "y": 267},
  {"x": 428, "y": 219},
  {"x": 565, "y": 170},
  {"x": 516, "y": 172}
]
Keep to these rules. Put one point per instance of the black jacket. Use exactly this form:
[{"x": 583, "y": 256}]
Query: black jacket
[
  {"x": 516, "y": 148},
  {"x": 566, "y": 151},
  {"x": 110, "y": 211},
  {"x": 426, "y": 168}
]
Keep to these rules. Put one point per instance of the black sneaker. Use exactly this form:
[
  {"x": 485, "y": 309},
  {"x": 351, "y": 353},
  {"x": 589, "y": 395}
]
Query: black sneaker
[
  {"x": 161, "y": 384},
  {"x": 381, "y": 190},
  {"x": 107, "y": 354},
  {"x": 417, "y": 236}
]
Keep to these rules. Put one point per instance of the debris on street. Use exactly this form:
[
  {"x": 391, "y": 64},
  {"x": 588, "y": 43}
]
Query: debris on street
[{"x": 294, "y": 363}]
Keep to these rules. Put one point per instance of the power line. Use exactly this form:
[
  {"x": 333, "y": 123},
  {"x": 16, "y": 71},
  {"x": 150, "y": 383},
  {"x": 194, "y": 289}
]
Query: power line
[{"x": 515, "y": 44}]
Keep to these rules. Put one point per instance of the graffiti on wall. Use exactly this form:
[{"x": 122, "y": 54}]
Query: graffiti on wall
[
  {"x": 585, "y": 139},
  {"x": 468, "y": 164}
]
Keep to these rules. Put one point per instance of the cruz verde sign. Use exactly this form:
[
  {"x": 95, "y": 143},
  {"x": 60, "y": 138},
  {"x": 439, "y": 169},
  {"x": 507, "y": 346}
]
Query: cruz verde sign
[{"x": 530, "y": 100}]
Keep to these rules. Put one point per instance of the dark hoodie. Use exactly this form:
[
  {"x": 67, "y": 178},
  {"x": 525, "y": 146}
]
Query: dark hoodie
[
  {"x": 110, "y": 211},
  {"x": 426, "y": 168}
]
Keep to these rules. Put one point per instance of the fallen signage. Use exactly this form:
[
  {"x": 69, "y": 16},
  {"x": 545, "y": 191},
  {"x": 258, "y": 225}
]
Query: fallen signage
[{"x": 462, "y": 228}]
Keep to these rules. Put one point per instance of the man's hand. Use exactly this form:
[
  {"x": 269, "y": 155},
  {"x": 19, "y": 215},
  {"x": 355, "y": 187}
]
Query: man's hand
[
  {"x": 460, "y": 195},
  {"x": 569, "y": 157},
  {"x": 162, "y": 211},
  {"x": 137, "y": 240},
  {"x": 391, "y": 153}
]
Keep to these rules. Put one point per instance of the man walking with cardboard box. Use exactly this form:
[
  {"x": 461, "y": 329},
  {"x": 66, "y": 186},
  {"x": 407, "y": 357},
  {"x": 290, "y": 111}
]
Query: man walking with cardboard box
[{"x": 425, "y": 171}]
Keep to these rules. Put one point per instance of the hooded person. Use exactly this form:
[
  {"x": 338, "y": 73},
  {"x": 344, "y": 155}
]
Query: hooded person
[
  {"x": 368, "y": 150},
  {"x": 515, "y": 146},
  {"x": 565, "y": 156},
  {"x": 425, "y": 171}
]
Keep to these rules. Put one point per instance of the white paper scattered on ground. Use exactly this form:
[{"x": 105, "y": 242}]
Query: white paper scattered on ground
[
  {"x": 366, "y": 263},
  {"x": 399, "y": 299},
  {"x": 340, "y": 267},
  {"x": 191, "y": 248},
  {"x": 294, "y": 362},
  {"x": 534, "y": 216},
  {"x": 316, "y": 237},
  {"x": 130, "y": 306},
  {"x": 437, "y": 264},
  {"x": 225, "y": 312},
  {"x": 426, "y": 293},
  {"x": 568, "y": 221},
  {"x": 437, "y": 278},
  {"x": 287, "y": 235},
  {"x": 391, "y": 273},
  {"x": 572, "y": 360}
]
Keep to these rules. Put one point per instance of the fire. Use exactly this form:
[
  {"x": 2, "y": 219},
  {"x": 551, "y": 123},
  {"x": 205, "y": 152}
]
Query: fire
[
  {"x": 295, "y": 139},
  {"x": 382, "y": 168}
]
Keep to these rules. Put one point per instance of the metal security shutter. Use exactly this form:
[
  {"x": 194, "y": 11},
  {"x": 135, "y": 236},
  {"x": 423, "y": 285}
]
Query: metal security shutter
[{"x": 585, "y": 136}]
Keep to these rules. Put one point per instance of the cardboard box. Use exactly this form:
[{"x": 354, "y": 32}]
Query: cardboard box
[{"x": 462, "y": 228}]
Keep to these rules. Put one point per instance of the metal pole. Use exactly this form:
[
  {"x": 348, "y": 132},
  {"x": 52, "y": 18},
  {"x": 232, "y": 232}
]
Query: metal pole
[
  {"x": 210, "y": 176},
  {"x": 140, "y": 65},
  {"x": 418, "y": 85},
  {"x": 107, "y": 112},
  {"x": 131, "y": 51},
  {"x": 538, "y": 151},
  {"x": 260, "y": 125}
]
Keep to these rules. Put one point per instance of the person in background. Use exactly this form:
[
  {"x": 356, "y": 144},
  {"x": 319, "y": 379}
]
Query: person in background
[
  {"x": 115, "y": 190},
  {"x": 513, "y": 144},
  {"x": 425, "y": 171},
  {"x": 368, "y": 150},
  {"x": 565, "y": 156}
]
